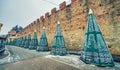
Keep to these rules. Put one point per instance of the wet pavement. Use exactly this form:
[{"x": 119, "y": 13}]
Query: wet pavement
[
  {"x": 38, "y": 63},
  {"x": 25, "y": 59},
  {"x": 18, "y": 53}
]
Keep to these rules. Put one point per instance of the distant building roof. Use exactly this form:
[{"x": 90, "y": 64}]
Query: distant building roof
[{"x": 12, "y": 33}]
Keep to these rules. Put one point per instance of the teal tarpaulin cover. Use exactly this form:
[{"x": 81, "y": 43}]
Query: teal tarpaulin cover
[
  {"x": 27, "y": 42},
  {"x": 23, "y": 41},
  {"x": 58, "y": 46},
  {"x": 34, "y": 42},
  {"x": 43, "y": 43},
  {"x": 95, "y": 50}
]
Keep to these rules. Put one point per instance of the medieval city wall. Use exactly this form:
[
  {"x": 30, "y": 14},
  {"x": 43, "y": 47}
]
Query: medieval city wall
[{"x": 73, "y": 19}]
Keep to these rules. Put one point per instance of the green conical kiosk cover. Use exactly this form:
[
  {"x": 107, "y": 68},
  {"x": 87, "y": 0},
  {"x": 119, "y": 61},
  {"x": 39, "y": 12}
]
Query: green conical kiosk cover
[
  {"x": 7, "y": 42},
  {"x": 17, "y": 41},
  {"x": 20, "y": 41},
  {"x": 10, "y": 42},
  {"x": 58, "y": 46},
  {"x": 95, "y": 50},
  {"x": 23, "y": 41},
  {"x": 27, "y": 42},
  {"x": 43, "y": 43},
  {"x": 34, "y": 41},
  {"x": 14, "y": 41}
]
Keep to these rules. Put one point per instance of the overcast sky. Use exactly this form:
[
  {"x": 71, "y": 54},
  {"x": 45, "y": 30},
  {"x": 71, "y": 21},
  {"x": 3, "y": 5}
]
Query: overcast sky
[{"x": 23, "y": 12}]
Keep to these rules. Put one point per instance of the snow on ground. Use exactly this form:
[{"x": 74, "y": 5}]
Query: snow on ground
[
  {"x": 73, "y": 60},
  {"x": 6, "y": 58},
  {"x": 27, "y": 55},
  {"x": 18, "y": 53}
]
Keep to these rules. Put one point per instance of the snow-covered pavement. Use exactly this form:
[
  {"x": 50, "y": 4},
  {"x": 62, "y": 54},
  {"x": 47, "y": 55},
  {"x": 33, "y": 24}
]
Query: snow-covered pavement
[
  {"x": 73, "y": 60},
  {"x": 5, "y": 56},
  {"x": 17, "y": 54}
]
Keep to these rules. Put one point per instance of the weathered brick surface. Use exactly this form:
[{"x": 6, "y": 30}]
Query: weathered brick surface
[
  {"x": 62, "y": 5},
  {"x": 73, "y": 19}
]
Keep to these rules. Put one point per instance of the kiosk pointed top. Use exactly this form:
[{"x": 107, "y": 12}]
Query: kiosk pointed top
[
  {"x": 90, "y": 11},
  {"x": 58, "y": 22},
  {"x": 43, "y": 27},
  {"x": 35, "y": 30}
]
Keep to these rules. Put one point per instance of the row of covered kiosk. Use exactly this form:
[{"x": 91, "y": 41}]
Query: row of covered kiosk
[{"x": 94, "y": 49}]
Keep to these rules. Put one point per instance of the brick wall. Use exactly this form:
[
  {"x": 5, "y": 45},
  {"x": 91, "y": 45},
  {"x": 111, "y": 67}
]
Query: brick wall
[{"x": 73, "y": 19}]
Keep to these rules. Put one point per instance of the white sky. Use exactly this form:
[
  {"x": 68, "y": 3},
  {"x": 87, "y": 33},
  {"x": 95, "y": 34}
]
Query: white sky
[{"x": 23, "y": 12}]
